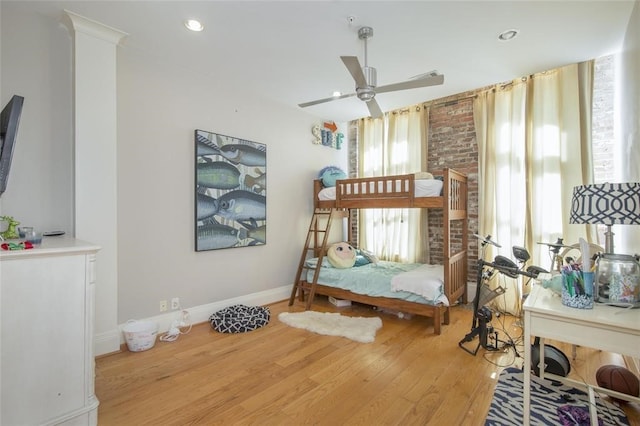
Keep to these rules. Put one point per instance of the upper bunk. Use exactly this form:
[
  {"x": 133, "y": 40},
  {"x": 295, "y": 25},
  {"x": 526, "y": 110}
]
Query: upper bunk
[{"x": 400, "y": 191}]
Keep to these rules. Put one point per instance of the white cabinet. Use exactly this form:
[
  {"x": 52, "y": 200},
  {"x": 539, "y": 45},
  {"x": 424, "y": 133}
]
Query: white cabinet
[{"x": 47, "y": 365}]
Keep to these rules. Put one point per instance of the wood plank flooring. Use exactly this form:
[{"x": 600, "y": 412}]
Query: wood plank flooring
[{"x": 280, "y": 375}]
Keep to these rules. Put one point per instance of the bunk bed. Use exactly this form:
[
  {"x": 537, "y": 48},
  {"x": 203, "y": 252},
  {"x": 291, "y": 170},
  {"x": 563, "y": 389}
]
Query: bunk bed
[{"x": 402, "y": 191}]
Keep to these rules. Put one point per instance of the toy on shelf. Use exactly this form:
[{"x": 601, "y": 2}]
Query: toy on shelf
[{"x": 12, "y": 224}]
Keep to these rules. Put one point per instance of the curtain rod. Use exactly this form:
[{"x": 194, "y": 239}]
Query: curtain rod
[
  {"x": 428, "y": 104},
  {"x": 451, "y": 102}
]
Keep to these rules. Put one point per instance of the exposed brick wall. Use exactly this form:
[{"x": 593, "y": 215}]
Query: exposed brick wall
[
  {"x": 452, "y": 144},
  {"x": 602, "y": 133},
  {"x": 353, "y": 172},
  {"x": 602, "y": 122}
]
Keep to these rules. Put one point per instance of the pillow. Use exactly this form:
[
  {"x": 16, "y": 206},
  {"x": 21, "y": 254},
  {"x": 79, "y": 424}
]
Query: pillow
[
  {"x": 423, "y": 175},
  {"x": 441, "y": 178},
  {"x": 341, "y": 255},
  {"x": 313, "y": 262},
  {"x": 361, "y": 260},
  {"x": 372, "y": 258},
  {"x": 330, "y": 174},
  {"x": 240, "y": 318}
]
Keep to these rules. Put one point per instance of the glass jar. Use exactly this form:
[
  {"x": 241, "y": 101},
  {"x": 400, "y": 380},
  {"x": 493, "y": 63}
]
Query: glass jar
[{"x": 618, "y": 279}]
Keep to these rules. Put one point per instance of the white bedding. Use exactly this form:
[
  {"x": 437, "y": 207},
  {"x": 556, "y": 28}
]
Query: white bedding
[
  {"x": 422, "y": 188},
  {"x": 426, "y": 281}
]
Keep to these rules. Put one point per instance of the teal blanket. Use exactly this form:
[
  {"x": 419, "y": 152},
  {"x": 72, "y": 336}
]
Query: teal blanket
[{"x": 373, "y": 279}]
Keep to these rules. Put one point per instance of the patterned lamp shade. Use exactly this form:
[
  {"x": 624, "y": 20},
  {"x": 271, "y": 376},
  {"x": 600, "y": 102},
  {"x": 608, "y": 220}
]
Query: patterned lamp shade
[{"x": 606, "y": 204}]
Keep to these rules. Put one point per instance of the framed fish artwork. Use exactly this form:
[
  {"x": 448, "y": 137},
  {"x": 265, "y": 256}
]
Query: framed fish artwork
[{"x": 230, "y": 192}]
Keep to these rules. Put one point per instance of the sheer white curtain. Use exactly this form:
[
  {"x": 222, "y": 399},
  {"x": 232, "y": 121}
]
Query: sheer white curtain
[
  {"x": 389, "y": 146},
  {"x": 533, "y": 140}
]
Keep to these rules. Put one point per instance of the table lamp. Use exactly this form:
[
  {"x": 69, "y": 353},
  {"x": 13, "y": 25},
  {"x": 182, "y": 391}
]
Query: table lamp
[
  {"x": 617, "y": 278},
  {"x": 606, "y": 204}
]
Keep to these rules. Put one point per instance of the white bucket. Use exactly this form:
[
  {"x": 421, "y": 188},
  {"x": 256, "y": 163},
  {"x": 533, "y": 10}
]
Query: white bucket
[{"x": 140, "y": 335}]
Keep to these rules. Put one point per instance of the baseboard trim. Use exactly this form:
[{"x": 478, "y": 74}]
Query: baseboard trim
[
  {"x": 107, "y": 342},
  {"x": 113, "y": 341},
  {"x": 201, "y": 313}
]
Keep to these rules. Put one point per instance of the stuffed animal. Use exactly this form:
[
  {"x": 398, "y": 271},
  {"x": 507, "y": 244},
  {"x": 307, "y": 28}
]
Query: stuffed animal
[
  {"x": 330, "y": 174},
  {"x": 341, "y": 255},
  {"x": 10, "y": 233}
]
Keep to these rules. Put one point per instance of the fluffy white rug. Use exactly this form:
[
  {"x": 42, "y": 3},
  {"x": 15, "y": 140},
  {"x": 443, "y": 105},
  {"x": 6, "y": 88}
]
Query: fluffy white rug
[{"x": 359, "y": 329}]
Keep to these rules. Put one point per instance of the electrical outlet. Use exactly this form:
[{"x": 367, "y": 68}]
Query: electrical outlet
[
  {"x": 175, "y": 303},
  {"x": 163, "y": 305}
]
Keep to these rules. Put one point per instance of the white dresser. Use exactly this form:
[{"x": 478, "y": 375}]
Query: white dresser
[{"x": 47, "y": 311}]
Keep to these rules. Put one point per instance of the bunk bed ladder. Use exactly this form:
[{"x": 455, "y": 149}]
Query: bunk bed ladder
[{"x": 314, "y": 246}]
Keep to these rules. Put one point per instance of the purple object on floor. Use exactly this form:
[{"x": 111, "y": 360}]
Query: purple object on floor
[{"x": 570, "y": 415}]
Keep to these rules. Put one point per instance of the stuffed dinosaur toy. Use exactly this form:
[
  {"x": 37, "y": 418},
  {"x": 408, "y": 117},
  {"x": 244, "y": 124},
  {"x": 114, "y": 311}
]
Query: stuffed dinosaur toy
[{"x": 11, "y": 232}]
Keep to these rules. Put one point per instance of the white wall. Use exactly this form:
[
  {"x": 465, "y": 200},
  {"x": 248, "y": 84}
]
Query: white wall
[
  {"x": 628, "y": 154},
  {"x": 159, "y": 107},
  {"x": 36, "y": 64}
]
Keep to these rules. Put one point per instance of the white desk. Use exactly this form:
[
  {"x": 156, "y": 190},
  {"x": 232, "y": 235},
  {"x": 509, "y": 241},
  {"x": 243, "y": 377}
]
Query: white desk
[{"x": 608, "y": 328}]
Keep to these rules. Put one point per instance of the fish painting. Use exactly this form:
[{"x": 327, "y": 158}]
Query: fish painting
[
  {"x": 217, "y": 174},
  {"x": 257, "y": 233},
  {"x": 230, "y": 192},
  {"x": 257, "y": 183},
  {"x": 205, "y": 206},
  {"x": 216, "y": 236},
  {"x": 241, "y": 205},
  {"x": 246, "y": 155},
  {"x": 205, "y": 147}
]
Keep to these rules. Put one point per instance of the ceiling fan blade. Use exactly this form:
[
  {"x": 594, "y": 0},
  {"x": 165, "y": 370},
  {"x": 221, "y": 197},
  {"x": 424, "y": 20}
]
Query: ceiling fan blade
[
  {"x": 353, "y": 65},
  {"x": 374, "y": 109},
  {"x": 321, "y": 101},
  {"x": 430, "y": 80}
]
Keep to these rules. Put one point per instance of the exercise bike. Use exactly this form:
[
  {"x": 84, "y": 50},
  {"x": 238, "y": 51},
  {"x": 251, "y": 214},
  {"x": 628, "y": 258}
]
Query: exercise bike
[{"x": 481, "y": 325}]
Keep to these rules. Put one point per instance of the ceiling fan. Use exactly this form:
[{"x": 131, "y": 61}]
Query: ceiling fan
[{"x": 366, "y": 80}]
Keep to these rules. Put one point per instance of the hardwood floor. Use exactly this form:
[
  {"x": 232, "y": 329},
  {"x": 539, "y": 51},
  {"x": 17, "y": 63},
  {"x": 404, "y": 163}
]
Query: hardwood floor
[{"x": 280, "y": 375}]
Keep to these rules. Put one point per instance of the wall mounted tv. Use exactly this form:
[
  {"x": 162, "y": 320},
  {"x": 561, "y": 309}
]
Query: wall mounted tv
[{"x": 8, "y": 131}]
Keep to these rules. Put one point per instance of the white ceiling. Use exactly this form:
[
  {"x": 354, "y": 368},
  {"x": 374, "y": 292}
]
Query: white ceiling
[{"x": 289, "y": 52}]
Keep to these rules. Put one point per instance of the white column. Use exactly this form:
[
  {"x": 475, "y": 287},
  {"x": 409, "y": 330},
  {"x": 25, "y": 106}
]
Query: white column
[{"x": 96, "y": 206}]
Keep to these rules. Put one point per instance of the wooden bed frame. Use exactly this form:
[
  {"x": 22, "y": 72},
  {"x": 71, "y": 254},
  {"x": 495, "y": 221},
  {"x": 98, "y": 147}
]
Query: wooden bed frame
[{"x": 398, "y": 192}]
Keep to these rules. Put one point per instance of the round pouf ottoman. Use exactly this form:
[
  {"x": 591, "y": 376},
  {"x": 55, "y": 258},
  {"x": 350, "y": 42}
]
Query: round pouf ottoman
[
  {"x": 618, "y": 379},
  {"x": 239, "y": 319}
]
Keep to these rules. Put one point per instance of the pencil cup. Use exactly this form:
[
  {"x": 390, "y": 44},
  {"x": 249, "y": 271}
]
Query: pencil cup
[{"x": 577, "y": 289}]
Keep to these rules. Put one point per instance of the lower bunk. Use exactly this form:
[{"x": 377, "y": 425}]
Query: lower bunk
[{"x": 416, "y": 289}]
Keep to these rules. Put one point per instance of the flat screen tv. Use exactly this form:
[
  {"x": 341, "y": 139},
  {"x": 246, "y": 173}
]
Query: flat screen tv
[{"x": 8, "y": 132}]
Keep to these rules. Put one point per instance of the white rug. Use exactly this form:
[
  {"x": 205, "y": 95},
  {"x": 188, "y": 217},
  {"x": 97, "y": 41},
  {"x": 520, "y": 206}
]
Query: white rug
[{"x": 359, "y": 329}]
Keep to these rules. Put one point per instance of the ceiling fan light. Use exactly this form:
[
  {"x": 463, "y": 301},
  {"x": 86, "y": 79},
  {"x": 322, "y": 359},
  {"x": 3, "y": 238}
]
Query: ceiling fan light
[
  {"x": 193, "y": 25},
  {"x": 365, "y": 93}
]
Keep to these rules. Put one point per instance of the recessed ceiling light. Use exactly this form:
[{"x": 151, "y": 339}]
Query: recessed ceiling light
[
  {"x": 193, "y": 25},
  {"x": 336, "y": 94},
  {"x": 508, "y": 35}
]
